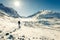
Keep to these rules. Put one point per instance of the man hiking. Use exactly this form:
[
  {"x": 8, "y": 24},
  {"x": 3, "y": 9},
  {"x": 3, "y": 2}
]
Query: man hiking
[{"x": 19, "y": 24}]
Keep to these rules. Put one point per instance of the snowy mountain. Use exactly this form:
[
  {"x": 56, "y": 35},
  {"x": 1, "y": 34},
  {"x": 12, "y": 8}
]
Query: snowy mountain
[
  {"x": 9, "y": 11},
  {"x": 31, "y": 28},
  {"x": 44, "y": 18},
  {"x": 44, "y": 25},
  {"x": 47, "y": 14}
]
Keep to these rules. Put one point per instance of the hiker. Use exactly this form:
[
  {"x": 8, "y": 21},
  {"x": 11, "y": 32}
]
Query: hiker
[{"x": 19, "y": 24}]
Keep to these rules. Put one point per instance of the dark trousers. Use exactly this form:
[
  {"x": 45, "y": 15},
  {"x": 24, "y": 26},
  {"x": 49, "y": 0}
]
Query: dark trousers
[{"x": 19, "y": 26}]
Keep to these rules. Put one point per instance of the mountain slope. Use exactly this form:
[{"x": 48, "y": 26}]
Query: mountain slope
[
  {"x": 30, "y": 29},
  {"x": 45, "y": 18},
  {"x": 46, "y": 14},
  {"x": 9, "y": 11}
]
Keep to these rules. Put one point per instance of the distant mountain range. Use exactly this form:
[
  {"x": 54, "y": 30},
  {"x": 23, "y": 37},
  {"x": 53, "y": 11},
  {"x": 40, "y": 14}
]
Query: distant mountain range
[
  {"x": 46, "y": 14},
  {"x": 45, "y": 18}
]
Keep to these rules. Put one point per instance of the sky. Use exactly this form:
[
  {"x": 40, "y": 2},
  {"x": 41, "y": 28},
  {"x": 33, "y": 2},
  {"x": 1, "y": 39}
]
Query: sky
[{"x": 29, "y": 7}]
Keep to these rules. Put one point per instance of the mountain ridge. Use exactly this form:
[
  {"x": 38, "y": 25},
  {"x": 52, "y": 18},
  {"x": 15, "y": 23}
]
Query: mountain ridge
[
  {"x": 10, "y": 11},
  {"x": 46, "y": 14}
]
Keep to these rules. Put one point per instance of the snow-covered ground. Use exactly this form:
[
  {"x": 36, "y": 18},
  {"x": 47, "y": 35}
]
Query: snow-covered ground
[
  {"x": 9, "y": 31},
  {"x": 32, "y": 28}
]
